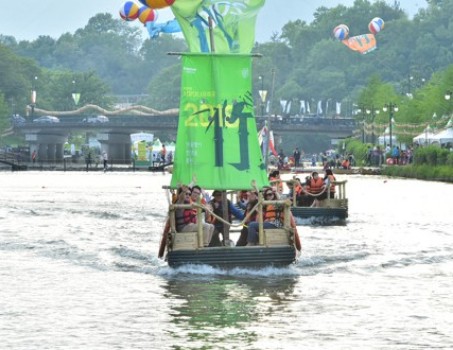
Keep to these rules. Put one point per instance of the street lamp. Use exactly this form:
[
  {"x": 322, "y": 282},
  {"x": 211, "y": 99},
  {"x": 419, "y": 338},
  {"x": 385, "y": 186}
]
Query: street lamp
[
  {"x": 33, "y": 95},
  {"x": 448, "y": 95},
  {"x": 266, "y": 141},
  {"x": 373, "y": 113},
  {"x": 362, "y": 111},
  {"x": 75, "y": 95},
  {"x": 392, "y": 108},
  {"x": 263, "y": 94}
]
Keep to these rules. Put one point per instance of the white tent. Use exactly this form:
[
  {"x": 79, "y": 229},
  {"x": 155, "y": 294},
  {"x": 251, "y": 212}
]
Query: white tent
[
  {"x": 425, "y": 138},
  {"x": 445, "y": 136},
  {"x": 384, "y": 139}
]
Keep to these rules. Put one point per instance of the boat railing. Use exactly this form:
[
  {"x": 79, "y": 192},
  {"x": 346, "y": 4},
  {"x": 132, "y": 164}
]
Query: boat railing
[
  {"x": 281, "y": 235},
  {"x": 340, "y": 187}
]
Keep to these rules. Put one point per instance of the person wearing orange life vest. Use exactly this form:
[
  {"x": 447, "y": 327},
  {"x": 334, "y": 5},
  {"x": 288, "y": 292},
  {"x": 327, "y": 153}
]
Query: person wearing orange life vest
[
  {"x": 302, "y": 198},
  {"x": 186, "y": 219},
  {"x": 273, "y": 217},
  {"x": 316, "y": 187}
]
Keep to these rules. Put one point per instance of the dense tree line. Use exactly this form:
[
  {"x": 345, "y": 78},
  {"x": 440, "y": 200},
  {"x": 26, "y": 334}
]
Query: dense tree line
[{"x": 303, "y": 62}]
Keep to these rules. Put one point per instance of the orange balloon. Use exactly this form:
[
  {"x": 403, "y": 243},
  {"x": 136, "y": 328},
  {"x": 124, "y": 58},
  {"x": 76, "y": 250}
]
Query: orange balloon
[{"x": 157, "y": 4}]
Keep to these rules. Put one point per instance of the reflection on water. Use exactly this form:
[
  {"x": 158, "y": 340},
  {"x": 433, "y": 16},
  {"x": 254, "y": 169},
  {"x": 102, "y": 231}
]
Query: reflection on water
[{"x": 79, "y": 269}]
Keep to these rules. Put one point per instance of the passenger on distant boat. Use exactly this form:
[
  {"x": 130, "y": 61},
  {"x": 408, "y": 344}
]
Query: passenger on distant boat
[
  {"x": 329, "y": 177},
  {"x": 275, "y": 181},
  {"x": 303, "y": 199},
  {"x": 250, "y": 210},
  {"x": 217, "y": 208},
  {"x": 186, "y": 219},
  {"x": 317, "y": 188}
]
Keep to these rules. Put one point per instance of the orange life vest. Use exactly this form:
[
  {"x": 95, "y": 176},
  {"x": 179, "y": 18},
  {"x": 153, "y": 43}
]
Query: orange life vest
[{"x": 316, "y": 185}]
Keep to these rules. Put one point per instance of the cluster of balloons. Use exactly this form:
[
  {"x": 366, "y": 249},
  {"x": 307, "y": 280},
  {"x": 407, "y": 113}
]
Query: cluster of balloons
[
  {"x": 146, "y": 13},
  {"x": 341, "y": 31}
]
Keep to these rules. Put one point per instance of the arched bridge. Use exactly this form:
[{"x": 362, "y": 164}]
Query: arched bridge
[
  {"x": 140, "y": 118},
  {"x": 47, "y": 135}
]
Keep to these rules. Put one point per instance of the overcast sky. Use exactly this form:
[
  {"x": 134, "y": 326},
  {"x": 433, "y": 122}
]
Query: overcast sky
[{"x": 27, "y": 19}]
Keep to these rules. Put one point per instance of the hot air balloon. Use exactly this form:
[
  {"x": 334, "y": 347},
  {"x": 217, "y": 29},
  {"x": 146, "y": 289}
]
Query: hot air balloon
[
  {"x": 129, "y": 11},
  {"x": 341, "y": 31},
  {"x": 376, "y": 25},
  {"x": 157, "y": 4}
]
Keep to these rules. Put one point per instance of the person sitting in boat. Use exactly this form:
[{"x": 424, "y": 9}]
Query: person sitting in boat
[
  {"x": 303, "y": 199},
  {"x": 316, "y": 188},
  {"x": 186, "y": 219},
  {"x": 217, "y": 208},
  {"x": 272, "y": 217},
  {"x": 242, "y": 199},
  {"x": 329, "y": 178},
  {"x": 251, "y": 203},
  {"x": 275, "y": 180}
]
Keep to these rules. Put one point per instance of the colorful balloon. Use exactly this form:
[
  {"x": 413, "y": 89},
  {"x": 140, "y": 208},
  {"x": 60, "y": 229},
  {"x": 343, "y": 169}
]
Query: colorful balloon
[
  {"x": 341, "y": 31},
  {"x": 157, "y": 4},
  {"x": 146, "y": 14},
  {"x": 376, "y": 25},
  {"x": 129, "y": 11}
]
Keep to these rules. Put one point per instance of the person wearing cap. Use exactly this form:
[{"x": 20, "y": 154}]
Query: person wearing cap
[{"x": 217, "y": 208}]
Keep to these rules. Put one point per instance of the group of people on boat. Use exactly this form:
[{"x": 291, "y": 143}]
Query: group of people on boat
[
  {"x": 315, "y": 189},
  {"x": 245, "y": 207}
]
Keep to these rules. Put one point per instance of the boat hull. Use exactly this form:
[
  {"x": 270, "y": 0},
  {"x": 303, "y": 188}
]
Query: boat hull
[
  {"x": 231, "y": 257},
  {"x": 309, "y": 212}
]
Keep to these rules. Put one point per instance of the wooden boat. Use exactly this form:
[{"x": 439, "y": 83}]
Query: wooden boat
[
  {"x": 277, "y": 247},
  {"x": 217, "y": 143},
  {"x": 328, "y": 211}
]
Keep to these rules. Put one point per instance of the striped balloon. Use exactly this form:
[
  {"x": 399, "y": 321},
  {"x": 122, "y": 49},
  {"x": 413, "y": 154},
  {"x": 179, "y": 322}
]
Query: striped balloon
[
  {"x": 341, "y": 31},
  {"x": 157, "y": 4},
  {"x": 129, "y": 11},
  {"x": 146, "y": 14},
  {"x": 376, "y": 25}
]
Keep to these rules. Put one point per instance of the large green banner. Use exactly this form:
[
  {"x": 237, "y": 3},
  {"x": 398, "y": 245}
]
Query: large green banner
[
  {"x": 217, "y": 143},
  {"x": 233, "y": 24}
]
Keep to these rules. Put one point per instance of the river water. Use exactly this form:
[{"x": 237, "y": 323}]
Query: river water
[{"x": 79, "y": 270}]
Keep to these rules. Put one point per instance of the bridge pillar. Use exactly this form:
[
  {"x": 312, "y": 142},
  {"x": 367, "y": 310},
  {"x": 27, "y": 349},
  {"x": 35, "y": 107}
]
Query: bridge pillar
[
  {"x": 49, "y": 147},
  {"x": 117, "y": 146},
  {"x": 59, "y": 152},
  {"x": 51, "y": 150},
  {"x": 42, "y": 152}
]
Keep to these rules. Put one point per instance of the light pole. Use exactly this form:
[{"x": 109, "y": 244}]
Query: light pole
[
  {"x": 75, "y": 94},
  {"x": 392, "y": 108},
  {"x": 33, "y": 95},
  {"x": 362, "y": 111},
  {"x": 373, "y": 113},
  {"x": 448, "y": 96},
  {"x": 263, "y": 94}
]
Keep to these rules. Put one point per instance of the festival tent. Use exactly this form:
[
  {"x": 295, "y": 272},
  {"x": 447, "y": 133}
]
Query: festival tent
[
  {"x": 445, "y": 136},
  {"x": 425, "y": 138},
  {"x": 384, "y": 139}
]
